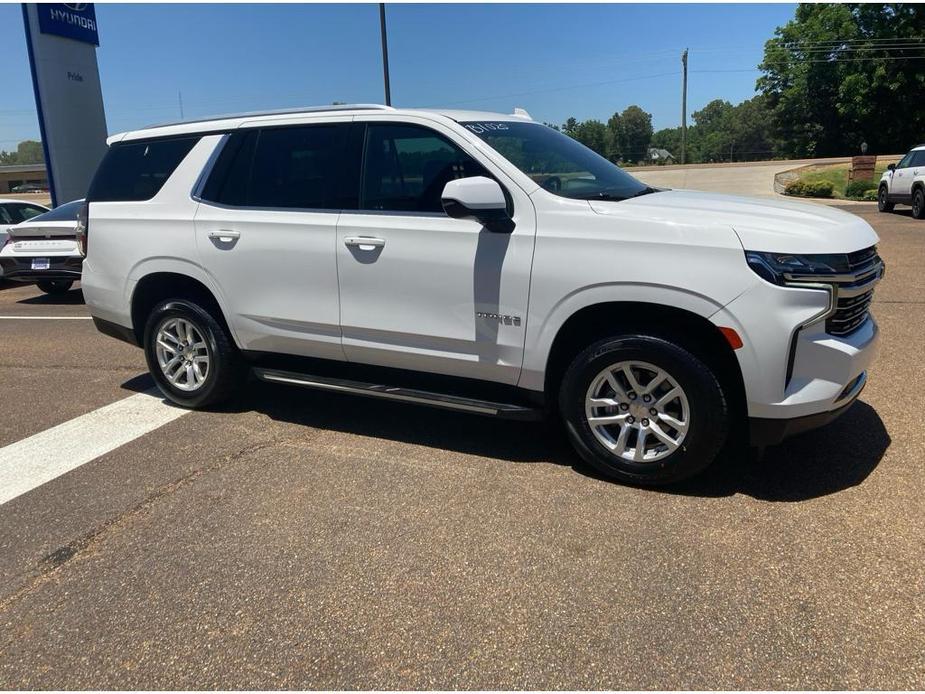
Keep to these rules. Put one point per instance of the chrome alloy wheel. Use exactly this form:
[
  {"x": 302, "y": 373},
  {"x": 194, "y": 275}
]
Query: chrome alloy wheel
[
  {"x": 637, "y": 411},
  {"x": 182, "y": 354}
]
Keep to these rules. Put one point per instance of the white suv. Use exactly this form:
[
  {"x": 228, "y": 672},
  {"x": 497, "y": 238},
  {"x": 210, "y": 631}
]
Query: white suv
[
  {"x": 904, "y": 183},
  {"x": 483, "y": 263}
]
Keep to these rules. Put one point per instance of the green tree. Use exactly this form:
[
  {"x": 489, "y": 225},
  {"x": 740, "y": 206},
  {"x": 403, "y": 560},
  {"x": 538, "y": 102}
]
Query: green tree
[
  {"x": 27, "y": 152},
  {"x": 636, "y": 127},
  {"x": 670, "y": 139},
  {"x": 30, "y": 152},
  {"x": 594, "y": 135},
  {"x": 831, "y": 81},
  {"x": 615, "y": 128}
]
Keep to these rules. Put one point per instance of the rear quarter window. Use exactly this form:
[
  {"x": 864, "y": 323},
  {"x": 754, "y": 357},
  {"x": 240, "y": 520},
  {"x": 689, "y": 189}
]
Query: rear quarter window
[{"x": 138, "y": 170}]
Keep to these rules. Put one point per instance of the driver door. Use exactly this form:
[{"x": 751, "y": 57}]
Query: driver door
[{"x": 418, "y": 289}]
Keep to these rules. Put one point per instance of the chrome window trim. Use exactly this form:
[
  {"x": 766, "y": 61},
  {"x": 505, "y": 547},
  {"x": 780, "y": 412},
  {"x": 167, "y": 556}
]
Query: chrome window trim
[{"x": 196, "y": 193}]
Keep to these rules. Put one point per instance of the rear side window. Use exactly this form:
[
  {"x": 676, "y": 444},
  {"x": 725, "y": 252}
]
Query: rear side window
[
  {"x": 138, "y": 170},
  {"x": 295, "y": 167}
]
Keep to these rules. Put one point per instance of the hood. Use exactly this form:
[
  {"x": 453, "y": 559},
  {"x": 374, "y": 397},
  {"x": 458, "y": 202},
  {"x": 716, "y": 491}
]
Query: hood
[{"x": 762, "y": 224}]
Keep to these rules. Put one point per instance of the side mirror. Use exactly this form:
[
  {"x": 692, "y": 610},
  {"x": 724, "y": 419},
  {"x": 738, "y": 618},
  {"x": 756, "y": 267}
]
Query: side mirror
[
  {"x": 891, "y": 167},
  {"x": 478, "y": 198}
]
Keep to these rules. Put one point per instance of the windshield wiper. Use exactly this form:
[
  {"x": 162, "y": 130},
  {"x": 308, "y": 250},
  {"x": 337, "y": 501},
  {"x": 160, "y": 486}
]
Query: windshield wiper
[{"x": 611, "y": 197}]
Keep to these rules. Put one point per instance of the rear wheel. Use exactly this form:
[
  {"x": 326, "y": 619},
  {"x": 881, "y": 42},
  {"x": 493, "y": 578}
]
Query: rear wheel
[
  {"x": 643, "y": 410},
  {"x": 918, "y": 203},
  {"x": 191, "y": 357},
  {"x": 55, "y": 286},
  {"x": 883, "y": 203}
]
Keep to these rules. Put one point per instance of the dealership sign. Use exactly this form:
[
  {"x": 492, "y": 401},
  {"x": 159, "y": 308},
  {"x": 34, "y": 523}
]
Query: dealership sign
[
  {"x": 62, "y": 41},
  {"x": 71, "y": 20}
]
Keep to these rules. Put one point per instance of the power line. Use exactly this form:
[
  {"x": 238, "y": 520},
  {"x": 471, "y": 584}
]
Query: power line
[{"x": 558, "y": 89}]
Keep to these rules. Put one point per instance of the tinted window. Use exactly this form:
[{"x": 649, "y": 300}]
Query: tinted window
[
  {"x": 918, "y": 158},
  {"x": 138, "y": 170},
  {"x": 16, "y": 212},
  {"x": 230, "y": 176},
  {"x": 906, "y": 161},
  {"x": 406, "y": 168},
  {"x": 296, "y": 167}
]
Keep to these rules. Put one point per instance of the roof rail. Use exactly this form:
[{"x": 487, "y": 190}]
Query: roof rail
[{"x": 278, "y": 112}]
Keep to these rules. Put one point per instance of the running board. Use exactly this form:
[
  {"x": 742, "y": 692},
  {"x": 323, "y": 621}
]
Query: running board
[{"x": 417, "y": 397}]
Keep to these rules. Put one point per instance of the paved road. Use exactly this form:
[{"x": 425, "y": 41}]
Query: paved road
[
  {"x": 756, "y": 180},
  {"x": 306, "y": 540}
]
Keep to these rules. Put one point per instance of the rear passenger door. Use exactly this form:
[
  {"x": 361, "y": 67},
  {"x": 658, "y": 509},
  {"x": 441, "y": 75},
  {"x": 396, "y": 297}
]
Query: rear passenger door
[
  {"x": 266, "y": 231},
  {"x": 420, "y": 290}
]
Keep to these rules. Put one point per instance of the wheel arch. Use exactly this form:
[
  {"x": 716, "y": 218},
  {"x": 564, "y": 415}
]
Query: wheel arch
[
  {"x": 154, "y": 287},
  {"x": 691, "y": 330}
]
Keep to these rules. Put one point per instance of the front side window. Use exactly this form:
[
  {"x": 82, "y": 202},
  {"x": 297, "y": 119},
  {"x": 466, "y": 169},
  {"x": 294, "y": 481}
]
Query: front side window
[
  {"x": 557, "y": 162},
  {"x": 406, "y": 167},
  {"x": 906, "y": 161},
  {"x": 918, "y": 158},
  {"x": 138, "y": 170}
]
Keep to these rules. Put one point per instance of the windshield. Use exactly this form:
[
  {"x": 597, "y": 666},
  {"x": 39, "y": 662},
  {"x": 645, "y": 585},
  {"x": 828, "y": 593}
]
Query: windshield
[{"x": 557, "y": 162}]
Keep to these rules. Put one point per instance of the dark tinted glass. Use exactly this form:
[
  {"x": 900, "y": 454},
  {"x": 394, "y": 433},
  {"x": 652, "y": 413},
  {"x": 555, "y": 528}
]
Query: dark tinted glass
[
  {"x": 230, "y": 176},
  {"x": 16, "y": 212},
  {"x": 407, "y": 166},
  {"x": 138, "y": 170},
  {"x": 297, "y": 167},
  {"x": 918, "y": 158}
]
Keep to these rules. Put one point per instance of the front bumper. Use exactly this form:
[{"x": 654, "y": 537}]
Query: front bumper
[
  {"x": 59, "y": 268},
  {"x": 769, "y": 432}
]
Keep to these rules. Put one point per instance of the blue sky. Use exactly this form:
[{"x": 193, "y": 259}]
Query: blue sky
[{"x": 556, "y": 61}]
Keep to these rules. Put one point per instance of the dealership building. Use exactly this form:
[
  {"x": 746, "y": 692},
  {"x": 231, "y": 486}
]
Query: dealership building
[{"x": 17, "y": 175}]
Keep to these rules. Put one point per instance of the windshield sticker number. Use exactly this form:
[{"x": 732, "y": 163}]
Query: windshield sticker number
[{"x": 479, "y": 128}]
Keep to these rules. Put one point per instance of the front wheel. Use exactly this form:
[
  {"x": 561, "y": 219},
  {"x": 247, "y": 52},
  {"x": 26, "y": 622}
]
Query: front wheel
[
  {"x": 918, "y": 203},
  {"x": 883, "y": 203},
  {"x": 644, "y": 410},
  {"x": 55, "y": 286},
  {"x": 189, "y": 354}
]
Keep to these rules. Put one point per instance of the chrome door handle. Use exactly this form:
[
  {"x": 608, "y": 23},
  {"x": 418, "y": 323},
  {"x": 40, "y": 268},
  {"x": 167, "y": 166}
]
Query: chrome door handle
[
  {"x": 225, "y": 235},
  {"x": 364, "y": 243}
]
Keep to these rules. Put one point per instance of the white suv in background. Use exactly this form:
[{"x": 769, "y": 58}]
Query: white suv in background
[
  {"x": 904, "y": 183},
  {"x": 483, "y": 263}
]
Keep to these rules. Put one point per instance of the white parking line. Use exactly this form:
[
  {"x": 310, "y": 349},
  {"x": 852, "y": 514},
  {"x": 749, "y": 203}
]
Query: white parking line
[
  {"x": 26, "y": 464},
  {"x": 46, "y": 317}
]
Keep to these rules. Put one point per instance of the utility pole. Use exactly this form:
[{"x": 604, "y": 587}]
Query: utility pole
[
  {"x": 385, "y": 55},
  {"x": 684, "y": 110}
]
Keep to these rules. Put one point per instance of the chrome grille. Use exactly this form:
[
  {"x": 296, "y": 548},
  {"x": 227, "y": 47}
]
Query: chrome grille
[{"x": 855, "y": 292}]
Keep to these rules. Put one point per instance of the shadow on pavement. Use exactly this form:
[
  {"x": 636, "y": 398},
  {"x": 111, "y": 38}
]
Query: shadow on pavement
[
  {"x": 815, "y": 464},
  {"x": 71, "y": 297}
]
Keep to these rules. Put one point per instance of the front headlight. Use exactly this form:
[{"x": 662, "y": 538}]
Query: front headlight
[{"x": 782, "y": 268}]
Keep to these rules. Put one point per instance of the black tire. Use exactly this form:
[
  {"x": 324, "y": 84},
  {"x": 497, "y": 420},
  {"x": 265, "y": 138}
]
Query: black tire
[
  {"x": 226, "y": 370},
  {"x": 918, "y": 203},
  {"x": 708, "y": 409},
  {"x": 55, "y": 286},
  {"x": 883, "y": 204}
]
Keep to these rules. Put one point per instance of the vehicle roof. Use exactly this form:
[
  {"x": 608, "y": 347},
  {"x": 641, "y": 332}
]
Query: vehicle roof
[
  {"x": 24, "y": 202},
  {"x": 233, "y": 121}
]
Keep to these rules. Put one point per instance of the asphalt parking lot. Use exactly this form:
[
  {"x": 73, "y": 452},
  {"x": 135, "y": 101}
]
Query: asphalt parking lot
[{"x": 307, "y": 540}]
